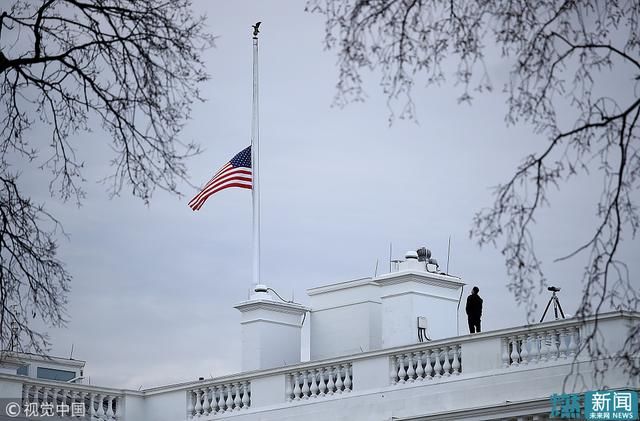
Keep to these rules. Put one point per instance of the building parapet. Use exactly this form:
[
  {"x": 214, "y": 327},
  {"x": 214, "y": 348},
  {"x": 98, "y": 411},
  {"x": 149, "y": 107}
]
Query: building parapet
[{"x": 539, "y": 354}]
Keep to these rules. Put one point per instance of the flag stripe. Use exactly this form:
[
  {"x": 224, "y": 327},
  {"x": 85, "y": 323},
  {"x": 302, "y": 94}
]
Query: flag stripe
[
  {"x": 235, "y": 173},
  {"x": 223, "y": 177},
  {"x": 240, "y": 185},
  {"x": 232, "y": 173},
  {"x": 231, "y": 182}
]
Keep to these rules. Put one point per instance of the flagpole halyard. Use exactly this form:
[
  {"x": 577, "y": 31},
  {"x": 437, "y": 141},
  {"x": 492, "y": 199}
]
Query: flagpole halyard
[{"x": 255, "y": 161}]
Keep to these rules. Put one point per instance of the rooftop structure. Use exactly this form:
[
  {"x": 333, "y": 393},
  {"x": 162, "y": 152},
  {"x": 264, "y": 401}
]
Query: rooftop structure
[{"x": 382, "y": 348}]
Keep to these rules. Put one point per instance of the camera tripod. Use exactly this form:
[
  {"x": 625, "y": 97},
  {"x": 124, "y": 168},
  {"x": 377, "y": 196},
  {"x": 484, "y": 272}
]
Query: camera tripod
[{"x": 556, "y": 305}]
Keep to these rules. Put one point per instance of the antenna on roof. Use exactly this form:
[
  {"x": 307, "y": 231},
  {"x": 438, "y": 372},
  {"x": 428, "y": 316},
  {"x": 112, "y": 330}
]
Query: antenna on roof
[
  {"x": 71, "y": 353},
  {"x": 390, "y": 256},
  {"x": 375, "y": 272},
  {"x": 448, "y": 253}
]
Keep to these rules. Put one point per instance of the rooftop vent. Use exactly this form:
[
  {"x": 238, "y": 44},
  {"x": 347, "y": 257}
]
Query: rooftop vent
[{"x": 411, "y": 255}]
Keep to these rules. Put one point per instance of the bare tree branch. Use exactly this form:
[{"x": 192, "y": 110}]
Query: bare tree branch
[
  {"x": 135, "y": 67},
  {"x": 561, "y": 57}
]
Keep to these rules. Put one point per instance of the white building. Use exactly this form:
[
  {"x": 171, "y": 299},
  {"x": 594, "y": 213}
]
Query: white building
[{"x": 367, "y": 361}]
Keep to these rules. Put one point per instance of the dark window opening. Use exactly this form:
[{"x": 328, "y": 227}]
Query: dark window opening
[{"x": 53, "y": 374}]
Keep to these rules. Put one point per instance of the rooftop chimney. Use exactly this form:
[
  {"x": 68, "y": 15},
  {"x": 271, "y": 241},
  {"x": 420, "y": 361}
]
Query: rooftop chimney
[{"x": 270, "y": 330}]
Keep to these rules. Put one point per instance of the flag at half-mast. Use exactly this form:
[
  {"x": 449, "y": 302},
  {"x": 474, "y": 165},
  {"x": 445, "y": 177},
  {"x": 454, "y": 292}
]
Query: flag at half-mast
[{"x": 235, "y": 173}]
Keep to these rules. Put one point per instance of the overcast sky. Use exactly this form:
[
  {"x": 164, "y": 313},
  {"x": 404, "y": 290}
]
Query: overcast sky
[{"x": 154, "y": 287}]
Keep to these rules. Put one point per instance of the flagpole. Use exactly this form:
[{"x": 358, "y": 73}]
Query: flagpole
[{"x": 255, "y": 160}]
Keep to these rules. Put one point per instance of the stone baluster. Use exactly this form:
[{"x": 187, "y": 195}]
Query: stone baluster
[
  {"x": 514, "y": 356},
  {"x": 109, "y": 414},
  {"x": 419, "y": 368},
  {"x": 42, "y": 398},
  {"x": 447, "y": 364},
  {"x": 42, "y": 395},
  {"x": 206, "y": 405},
  {"x": 288, "y": 393},
  {"x": 313, "y": 390},
  {"x": 213, "y": 403},
  {"x": 47, "y": 392},
  {"x": 100, "y": 412},
  {"x": 35, "y": 395},
  {"x": 215, "y": 399},
  {"x": 402, "y": 373},
  {"x": 92, "y": 406},
  {"x": 45, "y": 395},
  {"x": 117, "y": 408},
  {"x": 190, "y": 404},
  {"x": 562, "y": 348},
  {"x": 67, "y": 397},
  {"x": 553, "y": 344},
  {"x": 544, "y": 349},
  {"x": 331, "y": 386},
  {"x": 411, "y": 372},
  {"x": 297, "y": 392},
  {"x": 505, "y": 352},
  {"x": 347, "y": 378},
  {"x": 427, "y": 366},
  {"x": 80, "y": 399},
  {"x": 394, "y": 362},
  {"x": 72, "y": 397},
  {"x": 322, "y": 387},
  {"x": 246, "y": 401},
  {"x": 437, "y": 367},
  {"x": 237, "y": 401},
  {"x": 305, "y": 386},
  {"x": 53, "y": 397},
  {"x": 103, "y": 398},
  {"x": 456, "y": 361},
  {"x": 573, "y": 341},
  {"x": 339, "y": 382},
  {"x": 25, "y": 394},
  {"x": 222, "y": 401},
  {"x": 32, "y": 394},
  {"x": 524, "y": 349},
  {"x": 229, "y": 401},
  {"x": 94, "y": 400},
  {"x": 198, "y": 407},
  {"x": 534, "y": 353}
]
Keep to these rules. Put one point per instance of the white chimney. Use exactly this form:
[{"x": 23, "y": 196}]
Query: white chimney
[
  {"x": 270, "y": 331},
  {"x": 413, "y": 293}
]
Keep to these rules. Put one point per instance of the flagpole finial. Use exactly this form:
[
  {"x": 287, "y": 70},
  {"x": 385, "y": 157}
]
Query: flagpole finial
[{"x": 256, "y": 29}]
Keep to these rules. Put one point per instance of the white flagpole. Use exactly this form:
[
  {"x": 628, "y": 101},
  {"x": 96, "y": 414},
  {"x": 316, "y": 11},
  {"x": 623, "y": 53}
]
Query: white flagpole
[{"x": 255, "y": 159}]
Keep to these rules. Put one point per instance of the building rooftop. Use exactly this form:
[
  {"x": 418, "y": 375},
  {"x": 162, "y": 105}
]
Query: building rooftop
[{"x": 367, "y": 361}]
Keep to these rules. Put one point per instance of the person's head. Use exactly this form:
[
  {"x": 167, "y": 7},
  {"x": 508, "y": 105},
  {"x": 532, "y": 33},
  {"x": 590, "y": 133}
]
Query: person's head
[{"x": 475, "y": 290}]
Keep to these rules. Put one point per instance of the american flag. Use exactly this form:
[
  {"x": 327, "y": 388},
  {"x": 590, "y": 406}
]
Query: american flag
[{"x": 235, "y": 173}]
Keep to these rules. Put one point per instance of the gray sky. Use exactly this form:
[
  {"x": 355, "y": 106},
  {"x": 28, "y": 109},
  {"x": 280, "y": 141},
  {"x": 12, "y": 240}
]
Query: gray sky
[{"x": 154, "y": 287}]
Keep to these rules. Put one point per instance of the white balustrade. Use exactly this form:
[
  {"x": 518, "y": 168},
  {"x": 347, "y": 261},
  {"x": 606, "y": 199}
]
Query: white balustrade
[
  {"x": 536, "y": 347},
  {"x": 67, "y": 402},
  {"x": 216, "y": 399},
  {"x": 426, "y": 364},
  {"x": 319, "y": 382}
]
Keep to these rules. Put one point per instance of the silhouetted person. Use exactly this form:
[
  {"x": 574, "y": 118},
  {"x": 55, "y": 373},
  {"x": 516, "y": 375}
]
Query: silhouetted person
[{"x": 474, "y": 310}]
